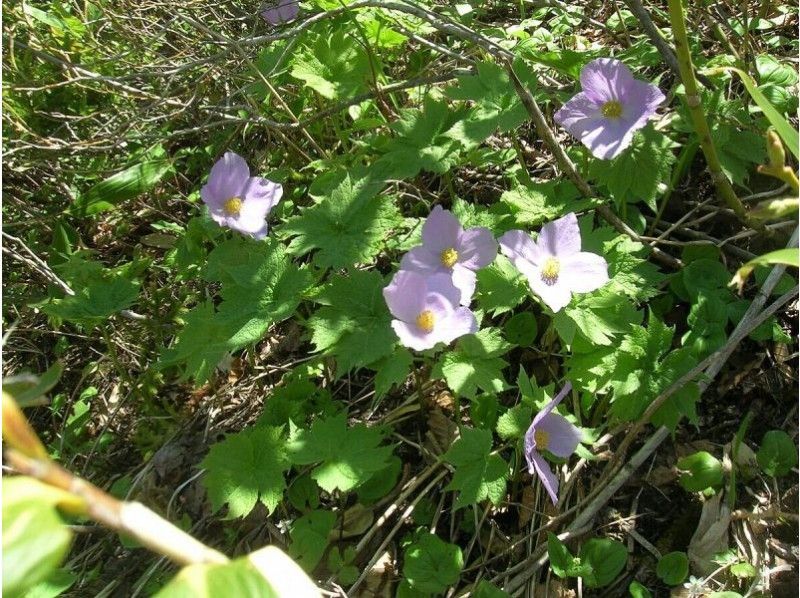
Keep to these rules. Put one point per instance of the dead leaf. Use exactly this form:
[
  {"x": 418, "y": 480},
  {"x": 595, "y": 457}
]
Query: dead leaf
[
  {"x": 357, "y": 520},
  {"x": 442, "y": 432},
  {"x": 379, "y": 580},
  {"x": 711, "y": 535},
  {"x": 526, "y": 507}
]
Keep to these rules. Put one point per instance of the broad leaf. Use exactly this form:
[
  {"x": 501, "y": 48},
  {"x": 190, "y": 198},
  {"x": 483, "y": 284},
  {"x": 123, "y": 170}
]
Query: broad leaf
[
  {"x": 347, "y": 457},
  {"x": 479, "y": 475},
  {"x": 245, "y": 468}
]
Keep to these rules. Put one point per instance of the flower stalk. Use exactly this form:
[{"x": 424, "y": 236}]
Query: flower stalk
[{"x": 695, "y": 105}]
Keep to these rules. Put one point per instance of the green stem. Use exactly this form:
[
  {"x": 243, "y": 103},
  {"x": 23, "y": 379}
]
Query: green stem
[
  {"x": 684, "y": 159},
  {"x": 721, "y": 182}
]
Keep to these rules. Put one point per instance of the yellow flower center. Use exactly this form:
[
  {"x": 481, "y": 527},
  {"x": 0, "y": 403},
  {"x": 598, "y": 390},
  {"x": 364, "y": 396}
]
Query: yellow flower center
[
  {"x": 425, "y": 320},
  {"x": 232, "y": 206},
  {"x": 541, "y": 438},
  {"x": 612, "y": 109},
  {"x": 550, "y": 271},
  {"x": 449, "y": 257}
]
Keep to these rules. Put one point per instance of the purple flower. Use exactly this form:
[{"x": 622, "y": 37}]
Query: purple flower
[
  {"x": 610, "y": 109},
  {"x": 448, "y": 248},
  {"x": 237, "y": 200},
  {"x": 552, "y": 432},
  {"x": 554, "y": 264},
  {"x": 281, "y": 12},
  {"x": 427, "y": 310}
]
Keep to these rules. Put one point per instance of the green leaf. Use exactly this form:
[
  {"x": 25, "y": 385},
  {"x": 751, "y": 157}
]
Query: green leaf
[
  {"x": 515, "y": 422},
  {"x": 561, "y": 559},
  {"x": 260, "y": 287},
  {"x": 479, "y": 475},
  {"x": 637, "y": 590},
  {"x": 354, "y": 324},
  {"x": 777, "y": 455},
  {"x": 700, "y": 471},
  {"x": 789, "y": 257},
  {"x": 475, "y": 364},
  {"x": 126, "y": 184},
  {"x": 744, "y": 570},
  {"x": 432, "y": 565},
  {"x": 488, "y": 590},
  {"x": 309, "y": 536},
  {"x": 496, "y": 104},
  {"x": 422, "y": 142},
  {"x": 35, "y": 539},
  {"x": 521, "y": 329},
  {"x": 391, "y": 371},
  {"x": 739, "y": 151},
  {"x": 606, "y": 558},
  {"x": 786, "y": 131},
  {"x": 56, "y": 584},
  {"x": 673, "y": 568},
  {"x": 500, "y": 287},
  {"x": 295, "y": 400},
  {"x": 237, "y": 578},
  {"x": 640, "y": 172},
  {"x": 245, "y": 468},
  {"x": 348, "y": 224},
  {"x": 334, "y": 65},
  {"x": 534, "y": 204},
  {"x": 598, "y": 317},
  {"x": 381, "y": 483},
  {"x": 347, "y": 457},
  {"x": 99, "y": 292},
  {"x": 27, "y": 388},
  {"x": 200, "y": 345}
]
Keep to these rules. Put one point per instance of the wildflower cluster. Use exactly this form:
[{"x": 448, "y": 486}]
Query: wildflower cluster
[{"x": 435, "y": 278}]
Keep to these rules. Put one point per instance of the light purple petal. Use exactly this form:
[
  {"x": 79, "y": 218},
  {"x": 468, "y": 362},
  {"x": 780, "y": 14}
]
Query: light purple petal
[
  {"x": 606, "y": 138},
  {"x": 476, "y": 248},
  {"x": 548, "y": 478},
  {"x": 421, "y": 259},
  {"x": 413, "y": 337},
  {"x": 640, "y": 104},
  {"x": 518, "y": 246},
  {"x": 580, "y": 115},
  {"x": 405, "y": 295},
  {"x": 562, "y": 436},
  {"x": 284, "y": 11},
  {"x": 561, "y": 237},
  {"x": 263, "y": 190},
  {"x": 550, "y": 406},
  {"x": 251, "y": 218},
  {"x": 228, "y": 178},
  {"x": 464, "y": 280},
  {"x": 556, "y": 296},
  {"x": 440, "y": 231},
  {"x": 442, "y": 284},
  {"x": 253, "y": 227},
  {"x": 584, "y": 272},
  {"x": 605, "y": 79},
  {"x": 609, "y": 138},
  {"x": 462, "y": 321}
]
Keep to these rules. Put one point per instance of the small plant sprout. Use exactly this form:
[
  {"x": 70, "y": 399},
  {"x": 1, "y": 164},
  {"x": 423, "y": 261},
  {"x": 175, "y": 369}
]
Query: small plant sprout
[
  {"x": 277, "y": 12},
  {"x": 554, "y": 264},
  {"x": 426, "y": 310},
  {"x": 448, "y": 248},
  {"x": 610, "y": 109},
  {"x": 552, "y": 432},
  {"x": 237, "y": 200}
]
